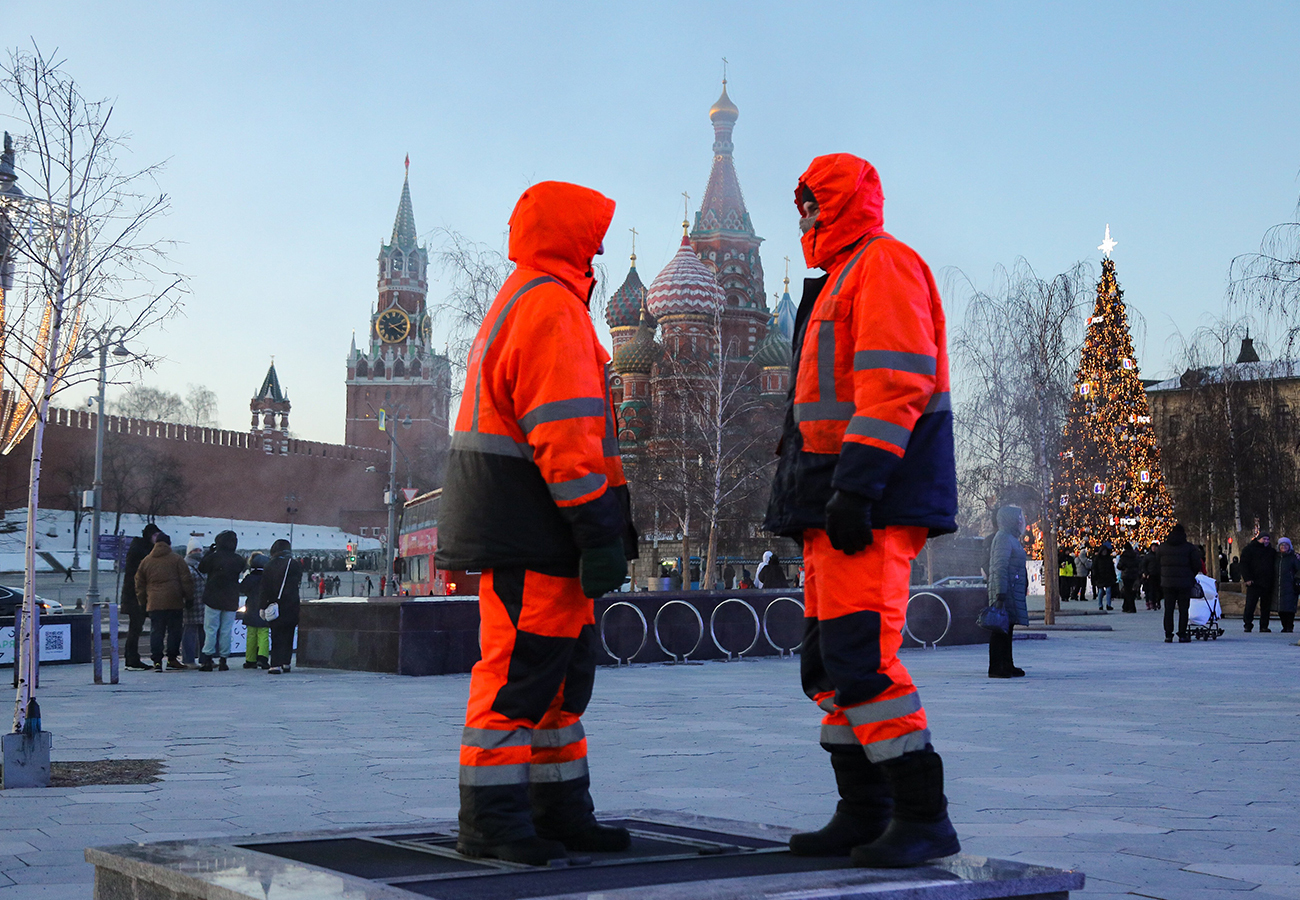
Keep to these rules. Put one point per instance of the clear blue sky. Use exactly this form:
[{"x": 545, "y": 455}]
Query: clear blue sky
[{"x": 1000, "y": 130}]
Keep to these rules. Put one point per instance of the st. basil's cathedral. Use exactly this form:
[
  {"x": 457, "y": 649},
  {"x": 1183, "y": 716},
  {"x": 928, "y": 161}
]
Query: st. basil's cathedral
[{"x": 715, "y": 281}]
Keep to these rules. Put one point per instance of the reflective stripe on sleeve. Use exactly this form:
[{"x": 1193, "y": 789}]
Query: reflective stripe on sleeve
[
  {"x": 892, "y": 748},
  {"x": 484, "y": 776},
  {"x": 940, "y": 402},
  {"x": 558, "y": 737},
  {"x": 496, "y": 444},
  {"x": 839, "y": 734},
  {"x": 880, "y": 430},
  {"x": 883, "y": 710},
  {"x": 561, "y": 771},
  {"x": 896, "y": 360},
  {"x": 576, "y": 487},
  {"x": 824, "y": 411},
  {"x": 493, "y": 739},
  {"x": 563, "y": 410}
]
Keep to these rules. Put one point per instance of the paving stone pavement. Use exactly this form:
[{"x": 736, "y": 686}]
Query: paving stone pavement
[{"x": 1160, "y": 770}]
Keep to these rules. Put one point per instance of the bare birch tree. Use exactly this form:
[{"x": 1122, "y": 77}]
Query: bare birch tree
[
  {"x": 79, "y": 252},
  {"x": 1017, "y": 350}
]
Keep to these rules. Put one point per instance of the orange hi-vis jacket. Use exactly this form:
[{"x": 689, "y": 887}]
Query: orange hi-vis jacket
[
  {"x": 534, "y": 472},
  {"x": 870, "y": 410}
]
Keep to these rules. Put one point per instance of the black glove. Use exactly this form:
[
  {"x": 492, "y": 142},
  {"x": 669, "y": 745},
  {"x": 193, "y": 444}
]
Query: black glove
[
  {"x": 602, "y": 569},
  {"x": 1002, "y": 600},
  {"x": 848, "y": 521}
]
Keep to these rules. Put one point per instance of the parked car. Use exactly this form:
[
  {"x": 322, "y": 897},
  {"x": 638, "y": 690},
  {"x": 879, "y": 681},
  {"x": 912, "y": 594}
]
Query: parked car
[{"x": 11, "y": 598}]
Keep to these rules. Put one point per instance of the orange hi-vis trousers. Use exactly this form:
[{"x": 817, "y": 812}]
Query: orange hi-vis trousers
[
  {"x": 855, "y": 608},
  {"x": 523, "y": 754}
]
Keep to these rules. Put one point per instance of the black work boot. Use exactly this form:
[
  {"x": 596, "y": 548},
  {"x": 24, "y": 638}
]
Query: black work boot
[
  {"x": 495, "y": 823},
  {"x": 861, "y": 815},
  {"x": 563, "y": 811},
  {"x": 920, "y": 830}
]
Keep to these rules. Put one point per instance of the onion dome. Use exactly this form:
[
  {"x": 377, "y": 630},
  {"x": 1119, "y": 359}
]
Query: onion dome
[
  {"x": 637, "y": 356},
  {"x": 724, "y": 110},
  {"x": 785, "y": 312},
  {"x": 684, "y": 286},
  {"x": 626, "y": 302},
  {"x": 774, "y": 349}
]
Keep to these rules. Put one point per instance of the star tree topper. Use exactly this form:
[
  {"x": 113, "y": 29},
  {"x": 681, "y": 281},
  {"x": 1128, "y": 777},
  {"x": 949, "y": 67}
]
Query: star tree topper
[{"x": 1107, "y": 245}]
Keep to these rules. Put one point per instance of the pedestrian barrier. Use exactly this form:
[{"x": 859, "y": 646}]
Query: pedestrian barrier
[
  {"x": 758, "y": 628},
  {"x": 780, "y": 651},
  {"x": 947, "y": 612},
  {"x": 698, "y": 618},
  {"x": 645, "y": 632}
]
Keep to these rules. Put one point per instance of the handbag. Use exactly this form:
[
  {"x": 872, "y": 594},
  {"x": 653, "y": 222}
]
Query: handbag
[
  {"x": 272, "y": 611},
  {"x": 1198, "y": 592},
  {"x": 994, "y": 618}
]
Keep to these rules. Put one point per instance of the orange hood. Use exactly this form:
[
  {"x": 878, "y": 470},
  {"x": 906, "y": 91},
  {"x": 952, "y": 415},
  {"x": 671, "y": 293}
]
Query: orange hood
[
  {"x": 557, "y": 228},
  {"x": 851, "y": 201}
]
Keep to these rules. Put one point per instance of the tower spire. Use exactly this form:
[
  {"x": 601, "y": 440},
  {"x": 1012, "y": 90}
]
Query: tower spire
[{"x": 404, "y": 234}]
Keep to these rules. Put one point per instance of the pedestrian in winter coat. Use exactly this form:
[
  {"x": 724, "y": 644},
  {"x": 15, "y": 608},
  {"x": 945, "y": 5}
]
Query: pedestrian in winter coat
[
  {"x": 865, "y": 473},
  {"x": 1082, "y": 575},
  {"x": 192, "y": 627},
  {"x": 280, "y": 584},
  {"x": 1008, "y": 586},
  {"x": 257, "y": 646},
  {"x": 1258, "y": 570},
  {"x": 1288, "y": 572},
  {"x": 1151, "y": 576},
  {"x": 770, "y": 573},
  {"x": 1234, "y": 570},
  {"x": 163, "y": 584},
  {"x": 1223, "y": 566},
  {"x": 1129, "y": 572},
  {"x": 130, "y": 605},
  {"x": 1180, "y": 562},
  {"x": 1064, "y": 574},
  {"x": 223, "y": 566},
  {"x": 1103, "y": 576}
]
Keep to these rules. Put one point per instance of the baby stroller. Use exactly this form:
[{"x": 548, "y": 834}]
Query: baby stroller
[{"x": 1203, "y": 613}]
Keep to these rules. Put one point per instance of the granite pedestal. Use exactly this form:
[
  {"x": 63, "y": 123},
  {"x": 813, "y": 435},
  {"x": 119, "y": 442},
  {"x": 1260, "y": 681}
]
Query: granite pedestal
[{"x": 674, "y": 856}]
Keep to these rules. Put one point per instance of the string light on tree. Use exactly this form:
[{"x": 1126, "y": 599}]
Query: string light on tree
[{"x": 1110, "y": 483}]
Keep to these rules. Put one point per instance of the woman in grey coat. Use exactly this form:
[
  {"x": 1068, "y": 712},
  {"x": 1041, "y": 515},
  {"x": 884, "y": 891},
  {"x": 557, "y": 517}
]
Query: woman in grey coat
[{"x": 1008, "y": 584}]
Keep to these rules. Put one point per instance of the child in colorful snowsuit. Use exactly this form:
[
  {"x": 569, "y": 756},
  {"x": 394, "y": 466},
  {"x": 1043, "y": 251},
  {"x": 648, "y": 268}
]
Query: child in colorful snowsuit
[{"x": 257, "y": 651}]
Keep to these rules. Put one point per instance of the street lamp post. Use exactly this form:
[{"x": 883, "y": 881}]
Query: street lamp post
[
  {"x": 390, "y": 552},
  {"x": 100, "y": 341}
]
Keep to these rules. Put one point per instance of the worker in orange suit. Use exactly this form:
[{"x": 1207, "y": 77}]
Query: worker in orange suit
[
  {"x": 535, "y": 498},
  {"x": 866, "y": 472}
]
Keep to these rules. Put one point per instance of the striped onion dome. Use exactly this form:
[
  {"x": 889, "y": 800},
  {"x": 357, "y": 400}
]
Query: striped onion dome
[
  {"x": 684, "y": 286},
  {"x": 625, "y": 303},
  {"x": 774, "y": 350},
  {"x": 637, "y": 356}
]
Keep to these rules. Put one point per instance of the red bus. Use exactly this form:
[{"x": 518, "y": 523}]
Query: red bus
[{"x": 416, "y": 542}]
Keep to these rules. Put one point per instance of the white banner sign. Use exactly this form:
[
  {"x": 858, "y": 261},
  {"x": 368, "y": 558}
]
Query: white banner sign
[{"x": 56, "y": 643}]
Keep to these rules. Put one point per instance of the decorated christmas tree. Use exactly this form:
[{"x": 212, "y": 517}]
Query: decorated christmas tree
[{"x": 1110, "y": 486}]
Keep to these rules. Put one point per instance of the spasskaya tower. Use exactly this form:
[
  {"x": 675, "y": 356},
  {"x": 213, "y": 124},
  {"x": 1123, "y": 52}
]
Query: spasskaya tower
[{"x": 395, "y": 367}]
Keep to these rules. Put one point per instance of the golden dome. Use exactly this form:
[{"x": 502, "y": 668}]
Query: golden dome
[{"x": 724, "y": 108}]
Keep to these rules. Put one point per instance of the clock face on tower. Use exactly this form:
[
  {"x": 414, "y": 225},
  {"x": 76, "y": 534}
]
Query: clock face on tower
[{"x": 392, "y": 325}]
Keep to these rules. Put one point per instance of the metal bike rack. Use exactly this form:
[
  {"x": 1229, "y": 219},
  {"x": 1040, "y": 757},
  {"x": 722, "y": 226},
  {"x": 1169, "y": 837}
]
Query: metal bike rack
[
  {"x": 780, "y": 651},
  {"x": 698, "y": 618},
  {"x": 758, "y": 627},
  {"x": 947, "y": 610},
  {"x": 645, "y": 631}
]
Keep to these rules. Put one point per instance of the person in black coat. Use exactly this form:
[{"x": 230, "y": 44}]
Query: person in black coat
[
  {"x": 222, "y": 566},
  {"x": 1180, "y": 562},
  {"x": 1103, "y": 576},
  {"x": 1151, "y": 576},
  {"x": 1234, "y": 569},
  {"x": 1129, "y": 571},
  {"x": 280, "y": 581},
  {"x": 140, "y": 548},
  {"x": 1259, "y": 571}
]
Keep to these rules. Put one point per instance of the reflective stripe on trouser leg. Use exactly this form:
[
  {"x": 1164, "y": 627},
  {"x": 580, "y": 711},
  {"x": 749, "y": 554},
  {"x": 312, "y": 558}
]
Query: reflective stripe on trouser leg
[
  {"x": 857, "y": 606},
  {"x": 526, "y": 696}
]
